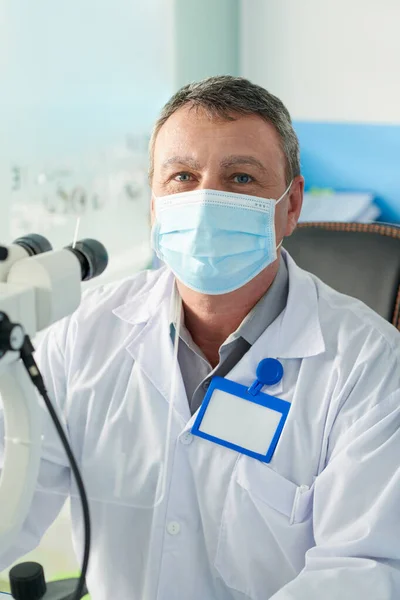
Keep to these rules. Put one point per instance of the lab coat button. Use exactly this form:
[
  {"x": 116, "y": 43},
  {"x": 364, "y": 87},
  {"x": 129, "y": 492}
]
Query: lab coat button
[
  {"x": 173, "y": 528},
  {"x": 187, "y": 438}
]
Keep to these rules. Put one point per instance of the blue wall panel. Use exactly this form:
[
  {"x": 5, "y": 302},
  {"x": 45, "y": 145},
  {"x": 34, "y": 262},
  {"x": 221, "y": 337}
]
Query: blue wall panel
[{"x": 354, "y": 157}]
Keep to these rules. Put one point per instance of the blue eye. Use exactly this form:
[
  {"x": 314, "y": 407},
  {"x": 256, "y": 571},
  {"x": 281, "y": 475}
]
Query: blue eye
[
  {"x": 182, "y": 177},
  {"x": 242, "y": 178}
]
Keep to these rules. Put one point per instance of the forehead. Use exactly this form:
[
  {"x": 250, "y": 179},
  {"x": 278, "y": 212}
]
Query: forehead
[{"x": 192, "y": 131}]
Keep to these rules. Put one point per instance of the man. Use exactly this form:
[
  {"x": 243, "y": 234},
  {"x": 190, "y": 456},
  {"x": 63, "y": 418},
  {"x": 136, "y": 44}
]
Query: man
[{"x": 321, "y": 518}]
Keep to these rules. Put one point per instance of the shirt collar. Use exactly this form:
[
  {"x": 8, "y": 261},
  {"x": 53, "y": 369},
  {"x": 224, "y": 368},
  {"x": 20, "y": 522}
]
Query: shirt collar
[
  {"x": 267, "y": 309},
  {"x": 255, "y": 323}
]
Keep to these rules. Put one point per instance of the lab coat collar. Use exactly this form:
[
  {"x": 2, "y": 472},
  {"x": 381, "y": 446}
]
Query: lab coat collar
[
  {"x": 142, "y": 307},
  {"x": 295, "y": 333}
]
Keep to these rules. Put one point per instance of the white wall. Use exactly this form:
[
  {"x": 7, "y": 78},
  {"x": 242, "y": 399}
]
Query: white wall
[
  {"x": 328, "y": 60},
  {"x": 205, "y": 39}
]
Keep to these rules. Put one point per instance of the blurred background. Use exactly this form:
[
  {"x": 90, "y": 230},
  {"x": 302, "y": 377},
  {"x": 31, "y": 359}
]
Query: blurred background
[{"x": 82, "y": 82}]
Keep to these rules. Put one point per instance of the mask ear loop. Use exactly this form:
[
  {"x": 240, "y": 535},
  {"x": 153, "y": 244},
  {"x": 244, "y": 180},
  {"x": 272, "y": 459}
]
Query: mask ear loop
[
  {"x": 284, "y": 193},
  {"x": 277, "y": 202}
]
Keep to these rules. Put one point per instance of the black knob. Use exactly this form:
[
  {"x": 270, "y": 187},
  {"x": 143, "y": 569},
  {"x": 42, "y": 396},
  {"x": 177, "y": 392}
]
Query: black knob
[
  {"x": 12, "y": 335},
  {"x": 27, "y": 581},
  {"x": 3, "y": 253}
]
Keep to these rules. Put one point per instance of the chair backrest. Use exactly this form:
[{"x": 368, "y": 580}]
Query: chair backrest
[{"x": 361, "y": 260}]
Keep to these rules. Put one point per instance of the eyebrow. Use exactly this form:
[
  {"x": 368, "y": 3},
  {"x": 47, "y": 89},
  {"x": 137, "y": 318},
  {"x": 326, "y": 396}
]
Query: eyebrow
[
  {"x": 233, "y": 160},
  {"x": 188, "y": 161}
]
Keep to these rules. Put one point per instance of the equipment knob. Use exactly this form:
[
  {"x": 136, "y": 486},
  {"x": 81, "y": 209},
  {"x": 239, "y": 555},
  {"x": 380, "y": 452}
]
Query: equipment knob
[
  {"x": 12, "y": 335},
  {"x": 27, "y": 581}
]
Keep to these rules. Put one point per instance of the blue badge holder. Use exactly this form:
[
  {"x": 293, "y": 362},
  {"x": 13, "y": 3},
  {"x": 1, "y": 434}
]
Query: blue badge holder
[{"x": 269, "y": 372}]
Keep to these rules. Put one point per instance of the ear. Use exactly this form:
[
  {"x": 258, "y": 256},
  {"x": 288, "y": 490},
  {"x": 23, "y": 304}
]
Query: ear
[{"x": 295, "y": 197}]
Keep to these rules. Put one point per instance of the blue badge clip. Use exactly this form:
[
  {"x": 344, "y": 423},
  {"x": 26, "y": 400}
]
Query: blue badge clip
[{"x": 269, "y": 372}]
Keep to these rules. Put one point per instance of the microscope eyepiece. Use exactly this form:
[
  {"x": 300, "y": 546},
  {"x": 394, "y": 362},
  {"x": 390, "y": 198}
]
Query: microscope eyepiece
[
  {"x": 92, "y": 257},
  {"x": 34, "y": 243}
]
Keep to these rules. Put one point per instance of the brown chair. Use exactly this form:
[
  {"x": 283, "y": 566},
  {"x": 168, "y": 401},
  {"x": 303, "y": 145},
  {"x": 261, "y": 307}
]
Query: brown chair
[{"x": 361, "y": 260}]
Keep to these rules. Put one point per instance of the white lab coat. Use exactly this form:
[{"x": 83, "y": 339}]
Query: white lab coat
[{"x": 322, "y": 520}]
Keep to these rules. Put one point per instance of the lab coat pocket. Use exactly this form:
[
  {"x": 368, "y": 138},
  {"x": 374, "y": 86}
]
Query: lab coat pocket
[{"x": 265, "y": 530}]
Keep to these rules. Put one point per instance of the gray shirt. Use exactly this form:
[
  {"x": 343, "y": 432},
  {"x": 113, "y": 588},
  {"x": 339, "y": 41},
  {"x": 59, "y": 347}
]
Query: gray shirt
[{"x": 195, "y": 368}]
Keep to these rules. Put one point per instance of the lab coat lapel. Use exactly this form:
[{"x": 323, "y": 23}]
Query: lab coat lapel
[{"x": 150, "y": 342}]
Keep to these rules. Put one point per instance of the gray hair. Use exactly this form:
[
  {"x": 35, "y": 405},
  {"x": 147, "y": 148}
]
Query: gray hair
[{"x": 223, "y": 96}]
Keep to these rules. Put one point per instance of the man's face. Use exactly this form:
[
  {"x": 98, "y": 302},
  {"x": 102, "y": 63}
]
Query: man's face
[{"x": 244, "y": 156}]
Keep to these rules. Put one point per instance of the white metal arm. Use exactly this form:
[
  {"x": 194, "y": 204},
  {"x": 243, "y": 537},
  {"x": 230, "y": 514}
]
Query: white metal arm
[{"x": 22, "y": 440}]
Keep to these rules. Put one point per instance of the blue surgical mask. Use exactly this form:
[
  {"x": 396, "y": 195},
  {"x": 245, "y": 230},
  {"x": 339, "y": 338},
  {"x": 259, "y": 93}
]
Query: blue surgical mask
[{"x": 213, "y": 241}]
